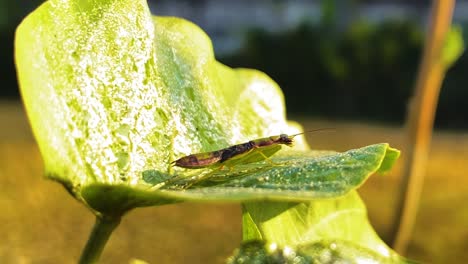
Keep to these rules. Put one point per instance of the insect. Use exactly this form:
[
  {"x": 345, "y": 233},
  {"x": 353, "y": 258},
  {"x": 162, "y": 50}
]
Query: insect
[{"x": 252, "y": 151}]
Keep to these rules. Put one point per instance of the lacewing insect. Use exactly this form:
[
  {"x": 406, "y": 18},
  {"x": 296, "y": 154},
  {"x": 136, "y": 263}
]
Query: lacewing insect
[{"x": 253, "y": 151}]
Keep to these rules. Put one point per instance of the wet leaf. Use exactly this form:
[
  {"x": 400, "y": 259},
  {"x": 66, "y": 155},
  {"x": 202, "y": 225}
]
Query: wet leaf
[
  {"x": 297, "y": 176},
  {"x": 342, "y": 251},
  {"x": 291, "y": 176},
  {"x": 331, "y": 229},
  {"x": 336, "y": 251},
  {"x": 112, "y": 92},
  {"x": 114, "y": 95},
  {"x": 155, "y": 177},
  {"x": 259, "y": 252}
]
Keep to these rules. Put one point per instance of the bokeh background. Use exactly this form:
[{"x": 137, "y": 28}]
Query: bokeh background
[{"x": 348, "y": 64}]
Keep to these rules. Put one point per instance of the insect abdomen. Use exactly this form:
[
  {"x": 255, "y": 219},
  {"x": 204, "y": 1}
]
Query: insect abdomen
[{"x": 199, "y": 160}]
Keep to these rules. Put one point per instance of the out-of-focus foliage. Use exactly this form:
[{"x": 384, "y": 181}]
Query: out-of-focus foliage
[
  {"x": 454, "y": 46},
  {"x": 334, "y": 72}
]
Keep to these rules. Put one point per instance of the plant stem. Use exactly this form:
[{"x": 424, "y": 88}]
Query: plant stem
[
  {"x": 419, "y": 123},
  {"x": 103, "y": 228}
]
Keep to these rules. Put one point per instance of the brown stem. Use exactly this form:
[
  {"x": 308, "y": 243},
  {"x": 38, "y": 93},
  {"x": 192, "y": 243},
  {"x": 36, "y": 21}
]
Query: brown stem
[{"x": 420, "y": 121}]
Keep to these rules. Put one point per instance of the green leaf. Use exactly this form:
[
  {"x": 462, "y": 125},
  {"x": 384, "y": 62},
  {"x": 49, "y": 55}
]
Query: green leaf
[
  {"x": 155, "y": 177},
  {"x": 391, "y": 156},
  {"x": 312, "y": 227},
  {"x": 338, "y": 251},
  {"x": 454, "y": 46},
  {"x": 114, "y": 95},
  {"x": 293, "y": 176},
  {"x": 112, "y": 92},
  {"x": 335, "y": 251},
  {"x": 258, "y": 252}
]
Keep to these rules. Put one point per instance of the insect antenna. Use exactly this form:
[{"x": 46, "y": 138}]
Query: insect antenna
[{"x": 314, "y": 130}]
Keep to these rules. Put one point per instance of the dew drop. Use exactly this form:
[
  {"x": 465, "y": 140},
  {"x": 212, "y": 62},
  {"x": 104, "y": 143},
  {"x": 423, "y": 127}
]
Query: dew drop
[{"x": 326, "y": 256}]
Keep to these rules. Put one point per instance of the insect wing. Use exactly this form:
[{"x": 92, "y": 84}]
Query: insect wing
[
  {"x": 253, "y": 156},
  {"x": 260, "y": 153}
]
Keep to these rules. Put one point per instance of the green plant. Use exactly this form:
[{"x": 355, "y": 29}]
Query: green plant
[{"x": 114, "y": 95}]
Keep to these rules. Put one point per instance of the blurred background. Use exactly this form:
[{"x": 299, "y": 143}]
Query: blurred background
[{"x": 348, "y": 64}]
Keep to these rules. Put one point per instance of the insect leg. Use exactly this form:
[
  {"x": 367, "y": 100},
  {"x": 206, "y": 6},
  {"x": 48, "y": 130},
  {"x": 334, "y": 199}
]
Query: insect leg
[{"x": 200, "y": 178}]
